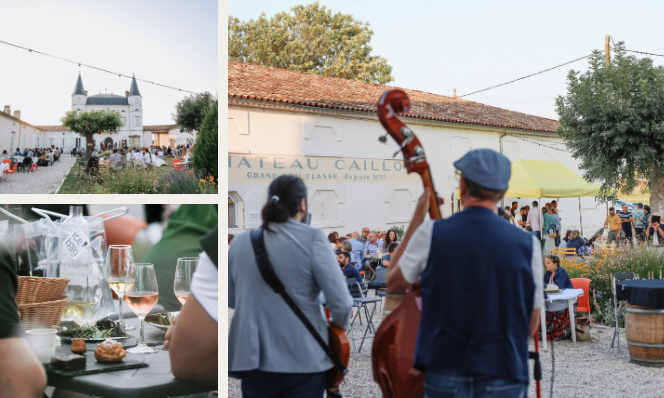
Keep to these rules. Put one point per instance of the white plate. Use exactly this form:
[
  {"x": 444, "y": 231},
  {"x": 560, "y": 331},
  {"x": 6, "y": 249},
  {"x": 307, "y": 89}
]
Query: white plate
[{"x": 162, "y": 327}]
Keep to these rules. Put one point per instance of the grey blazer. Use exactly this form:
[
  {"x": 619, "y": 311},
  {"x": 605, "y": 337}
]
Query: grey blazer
[{"x": 265, "y": 334}]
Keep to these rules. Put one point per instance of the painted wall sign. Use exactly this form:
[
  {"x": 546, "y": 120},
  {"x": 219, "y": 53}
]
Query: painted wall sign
[{"x": 244, "y": 168}]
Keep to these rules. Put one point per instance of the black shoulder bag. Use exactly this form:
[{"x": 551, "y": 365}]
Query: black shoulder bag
[{"x": 272, "y": 280}]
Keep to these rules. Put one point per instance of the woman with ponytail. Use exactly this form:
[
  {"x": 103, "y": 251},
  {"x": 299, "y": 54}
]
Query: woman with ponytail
[{"x": 270, "y": 349}]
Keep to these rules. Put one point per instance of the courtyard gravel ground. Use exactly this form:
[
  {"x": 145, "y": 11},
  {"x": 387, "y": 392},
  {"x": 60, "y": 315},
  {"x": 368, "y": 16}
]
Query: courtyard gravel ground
[
  {"x": 584, "y": 369},
  {"x": 44, "y": 180}
]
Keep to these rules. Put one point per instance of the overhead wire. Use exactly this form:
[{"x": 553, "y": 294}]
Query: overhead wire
[
  {"x": 525, "y": 77},
  {"x": 96, "y": 68},
  {"x": 522, "y": 138}
]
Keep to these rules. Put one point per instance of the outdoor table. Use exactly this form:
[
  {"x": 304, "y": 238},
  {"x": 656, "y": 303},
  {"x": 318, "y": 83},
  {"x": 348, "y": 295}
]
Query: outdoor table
[
  {"x": 643, "y": 320},
  {"x": 568, "y": 295},
  {"x": 155, "y": 380},
  {"x": 186, "y": 165},
  {"x": 645, "y": 292}
]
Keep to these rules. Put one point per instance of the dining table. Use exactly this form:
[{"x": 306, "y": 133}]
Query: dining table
[
  {"x": 154, "y": 381},
  {"x": 556, "y": 302}
]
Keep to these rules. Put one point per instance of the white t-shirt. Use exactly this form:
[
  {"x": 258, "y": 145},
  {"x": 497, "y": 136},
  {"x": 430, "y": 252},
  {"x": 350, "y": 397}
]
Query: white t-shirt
[
  {"x": 205, "y": 286},
  {"x": 414, "y": 259}
]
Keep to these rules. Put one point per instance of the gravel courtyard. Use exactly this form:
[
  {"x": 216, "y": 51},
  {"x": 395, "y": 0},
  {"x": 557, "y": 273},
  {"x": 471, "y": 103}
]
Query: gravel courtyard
[
  {"x": 583, "y": 369},
  {"x": 44, "y": 180}
]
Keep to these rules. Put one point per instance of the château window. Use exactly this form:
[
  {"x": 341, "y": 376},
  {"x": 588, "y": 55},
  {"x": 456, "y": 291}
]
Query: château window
[
  {"x": 137, "y": 121},
  {"x": 232, "y": 212}
]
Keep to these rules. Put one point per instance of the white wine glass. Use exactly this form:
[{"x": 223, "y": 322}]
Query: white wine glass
[
  {"x": 141, "y": 295},
  {"x": 184, "y": 272},
  {"x": 118, "y": 258}
]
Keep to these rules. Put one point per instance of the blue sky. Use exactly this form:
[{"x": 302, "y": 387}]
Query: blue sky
[
  {"x": 170, "y": 42},
  {"x": 435, "y": 46}
]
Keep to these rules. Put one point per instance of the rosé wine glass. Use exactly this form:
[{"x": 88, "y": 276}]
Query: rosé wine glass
[
  {"x": 184, "y": 272},
  {"x": 141, "y": 295}
]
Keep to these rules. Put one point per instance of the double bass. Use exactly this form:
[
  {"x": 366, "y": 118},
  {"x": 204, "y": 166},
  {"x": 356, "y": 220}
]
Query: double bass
[{"x": 393, "y": 349}]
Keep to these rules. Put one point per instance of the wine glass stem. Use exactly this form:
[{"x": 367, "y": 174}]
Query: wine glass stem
[
  {"x": 122, "y": 325},
  {"x": 142, "y": 330}
]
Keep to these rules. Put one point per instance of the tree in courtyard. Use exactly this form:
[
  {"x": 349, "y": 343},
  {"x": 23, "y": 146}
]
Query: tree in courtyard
[
  {"x": 206, "y": 151},
  {"x": 190, "y": 112},
  {"x": 90, "y": 123},
  {"x": 312, "y": 40},
  {"x": 612, "y": 119}
]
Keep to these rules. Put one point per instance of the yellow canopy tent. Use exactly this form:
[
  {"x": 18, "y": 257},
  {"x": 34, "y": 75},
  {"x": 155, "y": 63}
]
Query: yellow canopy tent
[{"x": 546, "y": 179}]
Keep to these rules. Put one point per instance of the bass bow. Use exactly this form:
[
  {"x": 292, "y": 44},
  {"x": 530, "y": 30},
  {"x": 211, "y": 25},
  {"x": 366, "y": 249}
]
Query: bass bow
[{"x": 393, "y": 349}]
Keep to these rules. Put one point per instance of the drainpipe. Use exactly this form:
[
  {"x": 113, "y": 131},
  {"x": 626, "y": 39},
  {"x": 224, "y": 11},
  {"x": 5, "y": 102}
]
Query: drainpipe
[{"x": 500, "y": 142}]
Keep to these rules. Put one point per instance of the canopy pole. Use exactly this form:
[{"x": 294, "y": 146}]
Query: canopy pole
[
  {"x": 580, "y": 217},
  {"x": 540, "y": 215}
]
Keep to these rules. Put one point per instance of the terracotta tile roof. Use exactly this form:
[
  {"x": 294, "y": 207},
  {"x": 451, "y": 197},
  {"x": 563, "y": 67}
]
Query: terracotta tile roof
[
  {"x": 52, "y": 128},
  {"x": 280, "y": 85},
  {"x": 161, "y": 127}
]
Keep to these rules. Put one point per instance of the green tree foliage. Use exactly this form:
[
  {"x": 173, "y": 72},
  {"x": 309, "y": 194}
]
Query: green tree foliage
[
  {"x": 612, "y": 118},
  {"x": 190, "y": 112},
  {"x": 206, "y": 152},
  {"x": 312, "y": 40},
  {"x": 90, "y": 123}
]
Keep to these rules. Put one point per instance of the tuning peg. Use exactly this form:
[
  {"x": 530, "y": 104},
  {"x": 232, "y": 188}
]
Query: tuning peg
[{"x": 383, "y": 138}]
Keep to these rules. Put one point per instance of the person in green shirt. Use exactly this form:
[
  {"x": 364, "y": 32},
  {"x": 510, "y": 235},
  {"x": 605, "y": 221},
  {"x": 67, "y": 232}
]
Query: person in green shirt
[{"x": 181, "y": 239}]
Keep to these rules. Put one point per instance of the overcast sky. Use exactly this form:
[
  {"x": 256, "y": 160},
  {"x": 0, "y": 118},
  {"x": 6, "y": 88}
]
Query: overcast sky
[
  {"x": 169, "y": 42},
  {"x": 435, "y": 46}
]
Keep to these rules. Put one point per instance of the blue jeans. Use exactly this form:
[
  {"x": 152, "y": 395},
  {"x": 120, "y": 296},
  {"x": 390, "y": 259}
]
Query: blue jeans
[
  {"x": 259, "y": 384},
  {"x": 455, "y": 384}
]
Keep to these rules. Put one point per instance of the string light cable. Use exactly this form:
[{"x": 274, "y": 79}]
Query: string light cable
[
  {"x": 99, "y": 69},
  {"x": 539, "y": 143},
  {"x": 525, "y": 77}
]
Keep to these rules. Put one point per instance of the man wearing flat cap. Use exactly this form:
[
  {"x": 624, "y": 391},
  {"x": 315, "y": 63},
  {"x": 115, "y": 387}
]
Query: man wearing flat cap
[{"x": 481, "y": 284}]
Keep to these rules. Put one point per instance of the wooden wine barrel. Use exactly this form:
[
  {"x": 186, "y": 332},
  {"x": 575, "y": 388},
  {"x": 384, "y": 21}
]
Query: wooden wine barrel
[
  {"x": 392, "y": 301},
  {"x": 644, "y": 328}
]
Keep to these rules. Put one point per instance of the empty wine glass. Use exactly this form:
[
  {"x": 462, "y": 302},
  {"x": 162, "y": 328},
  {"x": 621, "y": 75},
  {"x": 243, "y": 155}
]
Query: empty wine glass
[
  {"x": 118, "y": 258},
  {"x": 141, "y": 294},
  {"x": 183, "y": 275}
]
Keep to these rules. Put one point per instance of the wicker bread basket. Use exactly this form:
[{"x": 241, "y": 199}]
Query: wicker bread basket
[
  {"x": 41, "y": 315},
  {"x": 38, "y": 290}
]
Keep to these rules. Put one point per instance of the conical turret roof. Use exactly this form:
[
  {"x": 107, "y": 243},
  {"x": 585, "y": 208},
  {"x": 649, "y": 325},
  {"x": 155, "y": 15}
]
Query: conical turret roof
[
  {"x": 79, "y": 90},
  {"x": 133, "y": 90}
]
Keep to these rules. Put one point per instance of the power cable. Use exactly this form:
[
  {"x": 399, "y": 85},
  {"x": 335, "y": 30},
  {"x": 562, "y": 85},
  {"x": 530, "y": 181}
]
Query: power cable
[
  {"x": 538, "y": 143},
  {"x": 96, "y": 68},
  {"x": 525, "y": 77}
]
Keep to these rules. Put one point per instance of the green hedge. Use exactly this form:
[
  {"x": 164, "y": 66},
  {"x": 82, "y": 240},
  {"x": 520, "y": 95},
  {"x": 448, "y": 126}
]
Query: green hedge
[{"x": 206, "y": 151}]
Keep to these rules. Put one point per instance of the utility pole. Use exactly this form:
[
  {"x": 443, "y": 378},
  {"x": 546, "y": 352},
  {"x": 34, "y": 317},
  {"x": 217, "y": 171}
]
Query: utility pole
[{"x": 607, "y": 49}]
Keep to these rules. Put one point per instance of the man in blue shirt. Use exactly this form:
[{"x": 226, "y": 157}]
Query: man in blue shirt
[
  {"x": 627, "y": 220},
  {"x": 638, "y": 218},
  {"x": 358, "y": 250},
  {"x": 373, "y": 246},
  {"x": 349, "y": 272}
]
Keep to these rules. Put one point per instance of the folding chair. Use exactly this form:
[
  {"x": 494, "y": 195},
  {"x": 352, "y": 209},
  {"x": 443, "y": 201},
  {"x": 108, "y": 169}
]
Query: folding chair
[
  {"x": 360, "y": 301},
  {"x": 621, "y": 276},
  {"x": 583, "y": 302}
]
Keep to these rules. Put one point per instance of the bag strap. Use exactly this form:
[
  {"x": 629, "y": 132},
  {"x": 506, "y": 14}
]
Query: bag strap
[{"x": 272, "y": 280}]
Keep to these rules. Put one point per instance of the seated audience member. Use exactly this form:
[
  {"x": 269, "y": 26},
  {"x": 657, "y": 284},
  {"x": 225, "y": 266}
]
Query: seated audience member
[
  {"x": 18, "y": 152},
  {"x": 358, "y": 250},
  {"x": 349, "y": 271},
  {"x": 390, "y": 251},
  {"x": 557, "y": 320},
  {"x": 180, "y": 239},
  {"x": 333, "y": 237},
  {"x": 373, "y": 245},
  {"x": 596, "y": 241},
  {"x": 4, "y": 155},
  {"x": 26, "y": 152},
  {"x": 576, "y": 241},
  {"x": 655, "y": 227},
  {"x": 21, "y": 373},
  {"x": 191, "y": 341},
  {"x": 349, "y": 235},
  {"x": 347, "y": 247},
  {"x": 566, "y": 238}
]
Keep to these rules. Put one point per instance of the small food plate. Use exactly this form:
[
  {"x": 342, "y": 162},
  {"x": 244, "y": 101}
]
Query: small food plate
[
  {"x": 104, "y": 338},
  {"x": 158, "y": 326}
]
